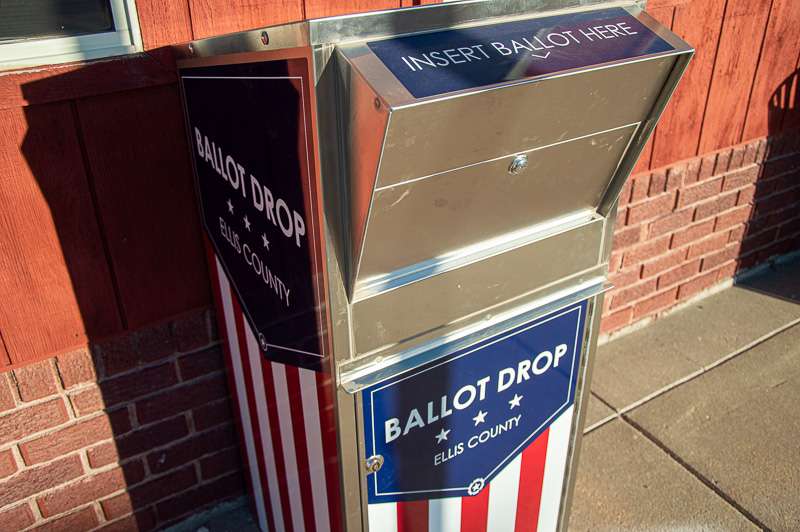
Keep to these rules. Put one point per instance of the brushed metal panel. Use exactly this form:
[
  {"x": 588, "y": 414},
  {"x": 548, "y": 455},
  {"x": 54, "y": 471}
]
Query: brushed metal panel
[
  {"x": 356, "y": 375},
  {"x": 365, "y": 122},
  {"x": 436, "y": 135},
  {"x": 399, "y": 315},
  {"x": 415, "y": 221}
]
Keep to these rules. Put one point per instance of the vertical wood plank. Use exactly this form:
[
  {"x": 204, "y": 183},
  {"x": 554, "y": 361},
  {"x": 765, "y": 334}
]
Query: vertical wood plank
[
  {"x": 164, "y": 22},
  {"x": 326, "y": 8},
  {"x": 678, "y": 133},
  {"x": 781, "y": 45},
  {"x": 664, "y": 16},
  {"x": 791, "y": 116},
  {"x": 5, "y": 360},
  {"x": 645, "y": 158},
  {"x": 739, "y": 48},
  {"x": 214, "y": 17},
  {"x": 55, "y": 285},
  {"x": 136, "y": 148}
]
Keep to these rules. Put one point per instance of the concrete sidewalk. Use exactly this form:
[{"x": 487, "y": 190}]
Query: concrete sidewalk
[{"x": 695, "y": 420}]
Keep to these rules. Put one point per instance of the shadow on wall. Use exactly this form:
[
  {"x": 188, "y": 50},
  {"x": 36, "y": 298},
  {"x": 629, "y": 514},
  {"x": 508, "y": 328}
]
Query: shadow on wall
[
  {"x": 772, "y": 215},
  {"x": 109, "y": 232}
]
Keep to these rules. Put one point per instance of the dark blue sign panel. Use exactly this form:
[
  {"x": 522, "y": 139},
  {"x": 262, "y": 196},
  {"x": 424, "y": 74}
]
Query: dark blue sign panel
[
  {"x": 251, "y": 147},
  {"x": 447, "y": 428},
  {"x": 452, "y": 60}
]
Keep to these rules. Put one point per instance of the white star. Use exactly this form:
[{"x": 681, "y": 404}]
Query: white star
[
  {"x": 480, "y": 418},
  {"x": 246, "y": 222},
  {"x": 230, "y": 207},
  {"x": 442, "y": 435},
  {"x": 515, "y": 401},
  {"x": 264, "y": 239}
]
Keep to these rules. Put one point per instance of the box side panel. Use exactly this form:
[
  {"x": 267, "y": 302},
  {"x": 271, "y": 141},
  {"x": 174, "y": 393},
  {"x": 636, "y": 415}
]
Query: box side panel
[{"x": 252, "y": 137}]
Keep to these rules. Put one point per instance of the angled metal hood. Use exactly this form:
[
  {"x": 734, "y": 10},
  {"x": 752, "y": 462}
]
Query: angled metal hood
[{"x": 428, "y": 177}]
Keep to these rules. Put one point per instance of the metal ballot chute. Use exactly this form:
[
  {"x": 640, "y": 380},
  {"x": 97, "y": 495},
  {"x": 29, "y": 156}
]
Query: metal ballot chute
[{"x": 409, "y": 216}]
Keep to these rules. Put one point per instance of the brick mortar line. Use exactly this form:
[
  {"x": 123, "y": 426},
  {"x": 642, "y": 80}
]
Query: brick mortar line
[
  {"x": 173, "y": 357},
  {"x": 776, "y": 193},
  {"x": 695, "y": 298},
  {"x": 645, "y": 200},
  {"x": 665, "y": 289},
  {"x": 90, "y": 472},
  {"x": 32, "y": 500},
  {"x": 693, "y": 223},
  {"x": 198, "y": 485},
  {"x": 64, "y": 393},
  {"x": 679, "y": 305},
  {"x": 648, "y": 221},
  {"x": 72, "y": 421},
  {"x": 643, "y": 281},
  {"x": 744, "y": 512}
]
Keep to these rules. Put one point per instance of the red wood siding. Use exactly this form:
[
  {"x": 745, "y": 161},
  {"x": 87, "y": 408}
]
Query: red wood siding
[
  {"x": 781, "y": 44},
  {"x": 164, "y": 22},
  {"x": 736, "y": 62},
  {"x": 55, "y": 286},
  {"x": 699, "y": 24},
  {"x": 98, "y": 229},
  {"x": 664, "y": 16},
  {"x": 212, "y": 17},
  {"x": 326, "y": 8},
  {"x": 137, "y": 156}
]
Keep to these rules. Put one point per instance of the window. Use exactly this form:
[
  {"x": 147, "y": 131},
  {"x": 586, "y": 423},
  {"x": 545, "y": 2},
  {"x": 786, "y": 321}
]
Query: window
[{"x": 36, "y": 32}]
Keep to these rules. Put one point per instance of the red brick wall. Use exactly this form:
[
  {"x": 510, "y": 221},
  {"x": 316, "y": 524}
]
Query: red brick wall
[
  {"x": 686, "y": 227},
  {"x": 131, "y": 434}
]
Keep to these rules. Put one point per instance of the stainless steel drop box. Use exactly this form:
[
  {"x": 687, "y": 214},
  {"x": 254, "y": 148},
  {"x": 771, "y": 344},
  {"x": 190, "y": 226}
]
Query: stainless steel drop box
[{"x": 462, "y": 168}]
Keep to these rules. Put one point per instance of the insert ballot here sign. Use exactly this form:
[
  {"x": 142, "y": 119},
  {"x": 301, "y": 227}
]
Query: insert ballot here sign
[
  {"x": 448, "y": 427},
  {"x": 452, "y": 60}
]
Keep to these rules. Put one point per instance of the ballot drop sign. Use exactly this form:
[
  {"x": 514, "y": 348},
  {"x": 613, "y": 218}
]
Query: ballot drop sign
[
  {"x": 252, "y": 151},
  {"x": 447, "y": 428}
]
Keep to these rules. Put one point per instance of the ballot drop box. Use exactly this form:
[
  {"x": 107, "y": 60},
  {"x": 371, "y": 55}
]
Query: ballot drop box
[{"x": 408, "y": 217}]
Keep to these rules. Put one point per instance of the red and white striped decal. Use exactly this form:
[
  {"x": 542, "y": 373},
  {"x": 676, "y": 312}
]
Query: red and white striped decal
[
  {"x": 288, "y": 430},
  {"x": 524, "y": 497},
  {"x": 286, "y": 424}
]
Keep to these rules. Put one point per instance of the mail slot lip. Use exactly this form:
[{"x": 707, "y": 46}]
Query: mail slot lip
[
  {"x": 397, "y": 97},
  {"x": 441, "y": 304},
  {"x": 380, "y": 284}
]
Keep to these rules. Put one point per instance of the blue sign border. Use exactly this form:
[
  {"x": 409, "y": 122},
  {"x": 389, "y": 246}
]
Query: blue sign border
[{"x": 375, "y": 496}]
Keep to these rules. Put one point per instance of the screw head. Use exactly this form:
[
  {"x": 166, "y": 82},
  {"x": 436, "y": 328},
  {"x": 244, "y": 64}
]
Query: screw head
[
  {"x": 377, "y": 103},
  {"x": 374, "y": 463},
  {"x": 518, "y": 165},
  {"x": 264, "y": 38},
  {"x": 475, "y": 486}
]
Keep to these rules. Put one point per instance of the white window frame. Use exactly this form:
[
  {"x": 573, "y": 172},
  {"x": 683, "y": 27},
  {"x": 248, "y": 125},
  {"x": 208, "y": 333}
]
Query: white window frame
[{"x": 124, "y": 39}]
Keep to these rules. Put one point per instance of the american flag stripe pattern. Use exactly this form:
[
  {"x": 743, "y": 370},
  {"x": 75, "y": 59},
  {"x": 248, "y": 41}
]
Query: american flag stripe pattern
[
  {"x": 524, "y": 497},
  {"x": 286, "y": 424},
  {"x": 288, "y": 429}
]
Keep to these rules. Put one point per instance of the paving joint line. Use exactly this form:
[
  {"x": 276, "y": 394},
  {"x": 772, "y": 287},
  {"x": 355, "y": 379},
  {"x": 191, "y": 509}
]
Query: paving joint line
[
  {"x": 695, "y": 473},
  {"x": 691, "y": 376}
]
